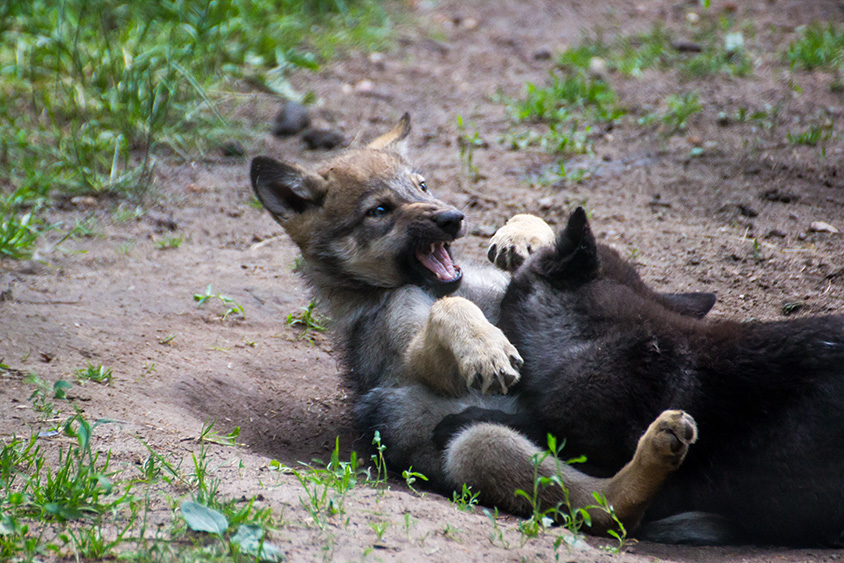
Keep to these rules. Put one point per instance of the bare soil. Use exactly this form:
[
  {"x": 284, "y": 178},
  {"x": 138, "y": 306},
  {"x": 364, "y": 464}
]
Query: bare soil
[{"x": 117, "y": 299}]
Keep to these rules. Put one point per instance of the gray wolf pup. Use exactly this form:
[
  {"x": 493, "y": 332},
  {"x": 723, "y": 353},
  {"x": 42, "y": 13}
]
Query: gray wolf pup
[
  {"x": 768, "y": 397},
  {"x": 417, "y": 331}
]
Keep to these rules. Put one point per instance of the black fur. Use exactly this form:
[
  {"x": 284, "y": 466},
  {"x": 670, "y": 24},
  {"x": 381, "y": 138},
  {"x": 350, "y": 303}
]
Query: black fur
[{"x": 604, "y": 356}]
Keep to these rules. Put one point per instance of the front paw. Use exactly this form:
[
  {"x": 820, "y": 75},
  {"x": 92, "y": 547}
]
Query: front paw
[
  {"x": 668, "y": 438},
  {"x": 490, "y": 363},
  {"x": 519, "y": 238}
]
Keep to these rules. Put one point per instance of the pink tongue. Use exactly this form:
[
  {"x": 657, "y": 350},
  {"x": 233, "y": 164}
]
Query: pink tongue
[{"x": 438, "y": 262}]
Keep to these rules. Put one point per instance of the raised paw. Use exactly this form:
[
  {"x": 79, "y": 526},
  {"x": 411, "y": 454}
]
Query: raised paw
[
  {"x": 519, "y": 238},
  {"x": 489, "y": 362},
  {"x": 668, "y": 438}
]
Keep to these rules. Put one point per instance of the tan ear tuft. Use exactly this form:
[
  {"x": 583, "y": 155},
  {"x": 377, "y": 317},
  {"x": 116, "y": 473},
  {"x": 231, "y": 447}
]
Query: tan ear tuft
[{"x": 396, "y": 134}]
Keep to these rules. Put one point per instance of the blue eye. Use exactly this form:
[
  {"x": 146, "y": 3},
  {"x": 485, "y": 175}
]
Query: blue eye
[{"x": 379, "y": 210}]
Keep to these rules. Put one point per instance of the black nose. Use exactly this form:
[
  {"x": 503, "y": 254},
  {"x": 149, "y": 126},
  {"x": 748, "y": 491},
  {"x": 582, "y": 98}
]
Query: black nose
[{"x": 449, "y": 221}]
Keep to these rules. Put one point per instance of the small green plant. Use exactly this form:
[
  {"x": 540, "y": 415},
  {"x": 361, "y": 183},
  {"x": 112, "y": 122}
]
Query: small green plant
[
  {"x": 818, "y": 46},
  {"x": 496, "y": 537},
  {"x": 680, "y": 109},
  {"x": 18, "y": 231},
  {"x": 562, "y": 513},
  {"x": 169, "y": 243},
  {"x": 96, "y": 373},
  {"x": 125, "y": 213},
  {"x": 84, "y": 227},
  {"x": 451, "y": 532},
  {"x": 126, "y": 248},
  {"x": 466, "y": 500},
  {"x": 815, "y": 134},
  {"x": 326, "y": 484},
  {"x": 466, "y": 145},
  {"x": 569, "y": 106},
  {"x": 308, "y": 320},
  {"x": 167, "y": 339},
  {"x": 232, "y": 306},
  {"x": 410, "y": 476},
  {"x": 209, "y": 435},
  {"x": 380, "y": 528},
  {"x": 43, "y": 393},
  {"x": 757, "y": 250},
  {"x": 378, "y": 460}
]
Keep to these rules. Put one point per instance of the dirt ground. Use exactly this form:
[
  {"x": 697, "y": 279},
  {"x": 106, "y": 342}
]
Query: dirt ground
[{"x": 117, "y": 299}]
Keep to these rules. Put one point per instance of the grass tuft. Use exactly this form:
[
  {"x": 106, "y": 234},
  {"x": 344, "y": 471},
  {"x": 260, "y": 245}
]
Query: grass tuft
[
  {"x": 94, "y": 93},
  {"x": 818, "y": 47}
]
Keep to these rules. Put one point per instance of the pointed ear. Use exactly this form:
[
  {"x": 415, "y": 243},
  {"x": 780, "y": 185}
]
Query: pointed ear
[
  {"x": 285, "y": 190},
  {"x": 574, "y": 259},
  {"x": 689, "y": 304},
  {"x": 396, "y": 134}
]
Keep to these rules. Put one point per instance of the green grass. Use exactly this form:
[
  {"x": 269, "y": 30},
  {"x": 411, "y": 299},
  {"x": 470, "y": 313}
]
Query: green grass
[
  {"x": 96, "y": 373},
  {"x": 816, "y": 134},
  {"x": 571, "y": 103},
  {"x": 65, "y": 500},
  {"x": 308, "y": 320},
  {"x": 563, "y": 513},
  {"x": 94, "y": 93},
  {"x": 818, "y": 47},
  {"x": 680, "y": 108},
  {"x": 232, "y": 306},
  {"x": 721, "y": 52}
]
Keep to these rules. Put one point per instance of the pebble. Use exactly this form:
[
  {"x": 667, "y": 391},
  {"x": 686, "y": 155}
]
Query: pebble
[
  {"x": 84, "y": 202},
  {"x": 161, "y": 220},
  {"x": 232, "y": 148},
  {"x": 325, "y": 139},
  {"x": 292, "y": 119},
  {"x": 598, "y": 67},
  {"x": 365, "y": 86},
  {"x": 484, "y": 231},
  {"x": 821, "y": 227}
]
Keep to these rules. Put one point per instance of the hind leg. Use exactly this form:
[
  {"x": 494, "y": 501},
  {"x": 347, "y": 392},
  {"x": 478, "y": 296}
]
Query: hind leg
[
  {"x": 405, "y": 418},
  {"x": 497, "y": 461}
]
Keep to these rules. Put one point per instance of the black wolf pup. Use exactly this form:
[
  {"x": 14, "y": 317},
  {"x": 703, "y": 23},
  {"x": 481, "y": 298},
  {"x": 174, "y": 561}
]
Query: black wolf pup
[{"x": 604, "y": 356}]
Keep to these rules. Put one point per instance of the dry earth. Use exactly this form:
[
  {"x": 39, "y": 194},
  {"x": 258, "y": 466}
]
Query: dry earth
[{"x": 118, "y": 300}]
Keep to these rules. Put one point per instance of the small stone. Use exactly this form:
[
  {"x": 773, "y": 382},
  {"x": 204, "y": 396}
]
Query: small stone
[
  {"x": 292, "y": 119},
  {"x": 687, "y": 47},
  {"x": 484, "y": 231},
  {"x": 378, "y": 60},
  {"x": 84, "y": 202},
  {"x": 775, "y": 233},
  {"x": 779, "y": 196},
  {"x": 325, "y": 139},
  {"x": 469, "y": 23},
  {"x": 746, "y": 210},
  {"x": 821, "y": 227},
  {"x": 545, "y": 202},
  {"x": 161, "y": 221},
  {"x": 598, "y": 67},
  {"x": 232, "y": 148},
  {"x": 542, "y": 54},
  {"x": 692, "y": 17},
  {"x": 365, "y": 86}
]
